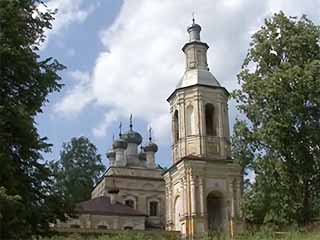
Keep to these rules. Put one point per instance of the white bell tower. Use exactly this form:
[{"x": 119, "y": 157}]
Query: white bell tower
[{"x": 203, "y": 184}]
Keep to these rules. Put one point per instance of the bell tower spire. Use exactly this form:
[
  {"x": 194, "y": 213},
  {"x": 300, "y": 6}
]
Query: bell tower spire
[
  {"x": 194, "y": 31},
  {"x": 197, "y": 70}
]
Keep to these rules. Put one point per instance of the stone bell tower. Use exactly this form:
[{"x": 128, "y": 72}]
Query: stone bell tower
[{"x": 203, "y": 184}]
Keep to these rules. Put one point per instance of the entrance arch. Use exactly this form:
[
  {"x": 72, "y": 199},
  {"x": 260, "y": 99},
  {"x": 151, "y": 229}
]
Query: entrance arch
[{"x": 215, "y": 207}]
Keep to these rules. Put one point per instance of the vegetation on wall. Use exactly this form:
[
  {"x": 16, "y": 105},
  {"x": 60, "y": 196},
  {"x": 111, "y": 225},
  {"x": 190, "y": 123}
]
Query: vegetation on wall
[{"x": 279, "y": 140}]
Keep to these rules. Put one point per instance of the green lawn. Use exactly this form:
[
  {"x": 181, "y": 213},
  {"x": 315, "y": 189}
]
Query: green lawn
[{"x": 164, "y": 236}]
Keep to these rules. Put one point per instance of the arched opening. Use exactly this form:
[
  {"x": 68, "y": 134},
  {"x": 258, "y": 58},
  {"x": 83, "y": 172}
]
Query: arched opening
[
  {"x": 177, "y": 213},
  {"x": 190, "y": 120},
  {"x": 215, "y": 211},
  {"x": 129, "y": 203},
  {"x": 153, "y": 209},
  {"x": 211, "y": 128},
  {"x": 176, "y": 126}
]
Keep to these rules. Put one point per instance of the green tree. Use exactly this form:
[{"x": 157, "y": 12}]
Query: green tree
[
  {"x": 280, "y": 96},
  {"x": 28, "y": 202},
  {"x": 78, "y": 169}
]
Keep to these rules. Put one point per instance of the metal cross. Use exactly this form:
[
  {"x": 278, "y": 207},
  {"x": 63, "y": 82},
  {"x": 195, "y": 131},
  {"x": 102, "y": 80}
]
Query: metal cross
[
  {"x": 130, "y": 121},
  {"x": 120, "y": 127},
  {"x": 150, "y": 134}
]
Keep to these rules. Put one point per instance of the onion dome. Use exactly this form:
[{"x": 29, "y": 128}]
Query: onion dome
[
  {"x": 120, "y": 143},
  {"x": 194, "y": 31},
  {"x": 132, "y": 137},
  {"x": 111, "y": 154},
  {"x": 151, "y": 147}
]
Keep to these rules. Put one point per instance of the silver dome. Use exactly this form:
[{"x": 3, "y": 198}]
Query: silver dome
[
  {"x": 194, "y": 27},
  {"x": 198, "y": 76},
  {"x": 132, "y": 137},
  {"x": 151, "y": 147}
]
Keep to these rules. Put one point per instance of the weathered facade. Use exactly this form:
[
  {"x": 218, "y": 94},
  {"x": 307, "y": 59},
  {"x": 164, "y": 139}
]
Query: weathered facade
[
  {"x": 131, "y": 193},
  {"x": 203, "y": 184},
  {"x": 141, "y": 189},
  {"x": 137, "y": 177}
]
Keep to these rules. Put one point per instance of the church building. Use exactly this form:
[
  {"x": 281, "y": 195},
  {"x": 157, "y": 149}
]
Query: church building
[
  {"x": 203, "y": 184},
  {"x": 130, "y": 194},
  {"x": 201, "y": 190}
]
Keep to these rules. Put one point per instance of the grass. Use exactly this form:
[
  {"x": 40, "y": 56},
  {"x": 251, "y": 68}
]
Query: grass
[{"x": 158, "y": 236}]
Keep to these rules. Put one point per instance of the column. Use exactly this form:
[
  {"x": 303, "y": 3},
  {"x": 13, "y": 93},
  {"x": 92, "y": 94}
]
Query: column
[
  {"x": 201, "y": 197},
  {"x": 184, "y": 197},
  {"x": 193, "y": 195},
  {"x": 231, "y": 193},
  {"x": 170, "y": 209},
  {"x": 220, "y": 119},
  {"x": 238, "y": 197}
]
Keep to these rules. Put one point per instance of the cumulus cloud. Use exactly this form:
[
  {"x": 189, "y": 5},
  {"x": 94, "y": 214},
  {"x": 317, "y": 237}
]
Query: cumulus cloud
[
  {"x": 102, "y": 128},
  {"x": 78, "y": 97},
  {"x": 69, "y": 12},
  {"x": 142, "y": 61}
]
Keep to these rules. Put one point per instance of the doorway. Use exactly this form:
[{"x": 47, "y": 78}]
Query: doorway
[{"x": 215, "y": 211}]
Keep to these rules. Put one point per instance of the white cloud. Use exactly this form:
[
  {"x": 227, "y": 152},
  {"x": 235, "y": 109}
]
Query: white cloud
[
  {"x": 69, "y": 12},
  {"x": 101, "y": 129},
  {"x": 78, "y": 97},
  {"x": 143, "y": 62}
]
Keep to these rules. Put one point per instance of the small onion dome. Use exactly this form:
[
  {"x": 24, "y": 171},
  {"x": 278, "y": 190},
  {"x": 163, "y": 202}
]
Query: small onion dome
[
  {"x": 111, "y": 154},
  {"x": 194, "y": 27},
  {"x": 151, "y": 147},
  {"x": 120, "y": 143},
  {"x": 142, "y": 156},
  {"x": 132, "y": 137}
]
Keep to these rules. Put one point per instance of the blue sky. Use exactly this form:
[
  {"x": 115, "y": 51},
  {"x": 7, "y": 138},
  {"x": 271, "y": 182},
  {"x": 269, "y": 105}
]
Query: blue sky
[{"x": 125, "y": 57}]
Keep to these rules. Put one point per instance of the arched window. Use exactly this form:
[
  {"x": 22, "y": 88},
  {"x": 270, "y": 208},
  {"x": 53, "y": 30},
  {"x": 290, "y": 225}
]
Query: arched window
[
  {"x": 153, "y": 208},
  {"x": 176, "y": 126},
  {"x": 190, "y": 120},
  {"x": 129, "y": 203},
  {"x": 211, "y": 128}
]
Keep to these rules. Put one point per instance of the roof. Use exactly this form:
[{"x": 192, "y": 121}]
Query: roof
[
  {"x": 201, "y": 85},
  {"x": 102, "y": 206},
  {"x": 198, "y": 76}
]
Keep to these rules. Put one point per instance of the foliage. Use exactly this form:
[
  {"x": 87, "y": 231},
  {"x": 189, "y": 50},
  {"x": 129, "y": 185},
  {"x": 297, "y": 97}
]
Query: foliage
[
  {"x": 118, "y": 235},
  {"x": 260, "y": 235},
  {"x": 78, "y": 169},
  {"x": 279, "y": 140},
  {"x": 10, "y": 206},
  {"x": 28, "y": 202}
]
